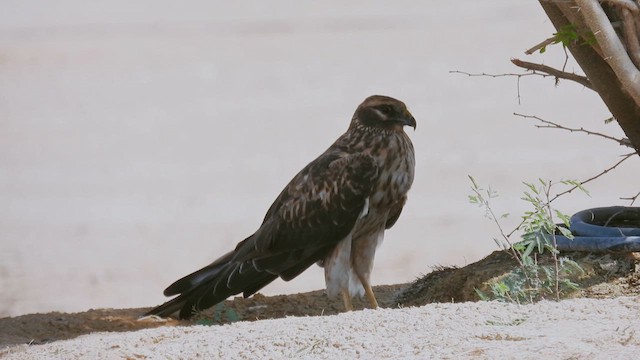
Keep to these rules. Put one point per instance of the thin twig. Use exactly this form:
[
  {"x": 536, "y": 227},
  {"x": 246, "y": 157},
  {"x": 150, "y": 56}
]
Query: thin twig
[
  {"x": 581, "y": 183},
  {"x": 552, "y": 125},
  {"x": 518, "y": 76},
  {"x": 632, "y": 198},
  {"x": 549, "y": 71},
  {"x": 539, "y": 46},
  {"x": 566, "y": 59},
  {"x": 495, "y": 75},
  {"x": 495, "y": 220}
]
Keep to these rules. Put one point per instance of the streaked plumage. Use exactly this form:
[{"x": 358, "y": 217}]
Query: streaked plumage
[{"x": 333, "y": 212}]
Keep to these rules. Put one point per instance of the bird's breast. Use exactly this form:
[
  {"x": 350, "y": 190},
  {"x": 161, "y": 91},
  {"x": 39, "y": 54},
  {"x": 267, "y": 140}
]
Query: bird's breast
[{"x": 396, "y": 165}]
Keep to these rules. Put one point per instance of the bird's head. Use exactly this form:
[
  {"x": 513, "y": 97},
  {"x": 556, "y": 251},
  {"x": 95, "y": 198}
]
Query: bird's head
[{"x": 383, "y": 112}]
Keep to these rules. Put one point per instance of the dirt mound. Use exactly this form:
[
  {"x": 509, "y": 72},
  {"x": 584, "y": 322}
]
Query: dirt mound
[{"x": 604, "y": 276}]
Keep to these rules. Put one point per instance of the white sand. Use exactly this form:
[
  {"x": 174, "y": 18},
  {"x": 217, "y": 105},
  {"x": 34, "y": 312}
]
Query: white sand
[
  {"x": 572, "y": 329},
  {"x": 141, "y": 140}
]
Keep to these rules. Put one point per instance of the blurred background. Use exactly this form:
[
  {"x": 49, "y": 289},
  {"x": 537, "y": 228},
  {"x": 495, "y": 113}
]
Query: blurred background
[{"x": 141, "y": 140}]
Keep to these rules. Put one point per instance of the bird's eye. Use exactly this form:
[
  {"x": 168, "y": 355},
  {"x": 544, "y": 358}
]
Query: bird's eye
[{"x": 386, "y": 109}]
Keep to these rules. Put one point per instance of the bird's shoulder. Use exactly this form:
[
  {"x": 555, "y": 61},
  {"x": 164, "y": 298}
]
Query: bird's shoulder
[{"x": 334, "y": 182}]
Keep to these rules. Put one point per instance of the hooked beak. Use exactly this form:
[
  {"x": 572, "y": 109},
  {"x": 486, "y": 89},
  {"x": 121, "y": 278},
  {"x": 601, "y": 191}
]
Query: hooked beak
[{"x": 409, "y": 120}]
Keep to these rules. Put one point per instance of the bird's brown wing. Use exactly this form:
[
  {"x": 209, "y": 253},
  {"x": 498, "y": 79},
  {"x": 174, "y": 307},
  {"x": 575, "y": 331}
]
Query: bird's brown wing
[{"x": 316, "y": 210}]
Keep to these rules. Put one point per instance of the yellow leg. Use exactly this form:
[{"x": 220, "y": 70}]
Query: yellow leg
[
  {"x": 347, "y": 300},
  {"x": 370, "y": 296},
  {"x": 368, "y": 291}
]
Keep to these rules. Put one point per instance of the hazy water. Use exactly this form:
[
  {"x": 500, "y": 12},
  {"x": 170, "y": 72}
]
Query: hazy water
[{"x": 139, "y": 141}]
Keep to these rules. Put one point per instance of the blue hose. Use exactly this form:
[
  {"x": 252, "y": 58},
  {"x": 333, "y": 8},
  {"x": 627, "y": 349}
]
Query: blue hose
[
  {"x": 606, "y": 229},
  {"x": 599, "y": 244}
]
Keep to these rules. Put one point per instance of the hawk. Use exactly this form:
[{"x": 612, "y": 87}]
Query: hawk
[{"x": 334, "y": 212}]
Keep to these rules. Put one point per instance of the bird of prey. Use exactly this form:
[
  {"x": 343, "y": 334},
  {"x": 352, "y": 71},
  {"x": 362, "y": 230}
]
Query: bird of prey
[{"x": 334, "y": 212}]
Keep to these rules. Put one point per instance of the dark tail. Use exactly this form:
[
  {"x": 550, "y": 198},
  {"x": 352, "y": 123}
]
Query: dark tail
[
  {"x": 243, "y": 270},
  {"x": 212, "y": 284}
]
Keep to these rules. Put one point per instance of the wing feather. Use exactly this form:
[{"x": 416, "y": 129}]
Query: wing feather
[{"x": 316, "y": 210}]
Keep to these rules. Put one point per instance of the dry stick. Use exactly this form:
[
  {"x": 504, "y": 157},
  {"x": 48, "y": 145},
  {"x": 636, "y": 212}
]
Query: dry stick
[
  {"x": 539, "y": 46},
  {"x": 624, "y": 157},
  {"x": 494, "y": 75},
  {"x": 582, "y": 80},
  {"x": 552, "y": 125},
  {"x": 632, "y": 198},
  {"x": 533, "y": 73},
  {"x": 566, "y": 60}
]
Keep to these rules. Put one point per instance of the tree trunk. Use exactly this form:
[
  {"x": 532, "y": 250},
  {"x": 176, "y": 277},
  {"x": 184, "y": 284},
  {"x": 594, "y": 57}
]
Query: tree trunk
[{"x": 611, "y": 71}]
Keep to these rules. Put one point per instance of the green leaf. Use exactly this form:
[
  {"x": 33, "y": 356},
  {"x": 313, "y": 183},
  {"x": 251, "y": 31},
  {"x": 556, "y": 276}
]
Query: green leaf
[
  {"x": 533, "y": 188},
  {"x": 473, "y": 182},
  {"x": 566, "y": 232},
  {"x": 589, "y": 38},
  {"x": 571, "y": 263},
  {"x": 570, "y": 284},
  {"x": 481, "y": 294},
  {"x": 584, "y": 190},
  {"x": 520, "y": 246},
  {"x": 501, "y": 244},
  {"x": 529, "y": 249},
  {"x": 566, "y": 35}
]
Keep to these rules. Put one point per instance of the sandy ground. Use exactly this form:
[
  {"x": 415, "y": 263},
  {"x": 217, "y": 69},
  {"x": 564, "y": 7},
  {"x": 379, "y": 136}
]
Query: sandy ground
[
  {"x": 435, "y": 316},
  {"x": 141, "y": 140},
  {"x": 571, "y": 329}
]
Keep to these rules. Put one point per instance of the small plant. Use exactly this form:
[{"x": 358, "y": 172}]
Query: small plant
[{"x": 532, "y": 280}]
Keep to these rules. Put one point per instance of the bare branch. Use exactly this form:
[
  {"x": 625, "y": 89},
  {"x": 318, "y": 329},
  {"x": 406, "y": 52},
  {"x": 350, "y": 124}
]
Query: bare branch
[
  {"x": 579, "y": 185},
  {"x": 632, "y": 198},
  {"x": 539, "y": 46},
  {"x": 552, "y": 125},
  {"x": 549, "y": 71},
  {"x": 493, "y": 75},
  {"x": 557, "y": 74},
  {"x": 625, "y": 157},
  {"x": 518, "y": 76}
]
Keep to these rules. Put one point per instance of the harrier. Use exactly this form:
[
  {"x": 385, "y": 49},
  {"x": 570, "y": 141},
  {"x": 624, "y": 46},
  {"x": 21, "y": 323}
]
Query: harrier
[{"x": 334, "y": 212}]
